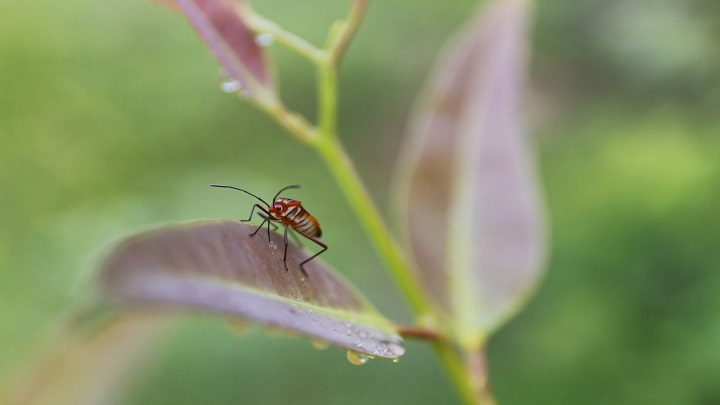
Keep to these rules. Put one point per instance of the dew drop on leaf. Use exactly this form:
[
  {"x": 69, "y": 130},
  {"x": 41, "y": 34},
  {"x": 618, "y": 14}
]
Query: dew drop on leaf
[
  {"x": 395, "y": 348},
  {"x": 356, "y": 358}
]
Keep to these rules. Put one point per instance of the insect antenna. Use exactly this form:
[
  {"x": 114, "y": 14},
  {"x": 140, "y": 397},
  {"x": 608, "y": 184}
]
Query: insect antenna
[
  {"x": 244, "y": 191},
  {"x": 285, "y": 188}
]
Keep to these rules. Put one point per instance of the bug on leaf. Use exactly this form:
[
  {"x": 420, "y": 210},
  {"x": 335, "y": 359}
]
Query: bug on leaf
[{"x": 290, "y": 214}]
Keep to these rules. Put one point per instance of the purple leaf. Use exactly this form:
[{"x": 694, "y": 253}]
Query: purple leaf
[
  {"x": 221, "y": 26},
  {"x": 217, "y": 267},
  {"x": 468, "y": 191}
]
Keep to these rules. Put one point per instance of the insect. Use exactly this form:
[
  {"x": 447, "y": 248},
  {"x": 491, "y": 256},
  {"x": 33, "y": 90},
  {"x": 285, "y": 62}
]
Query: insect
[{"x": 290, "y": 214}]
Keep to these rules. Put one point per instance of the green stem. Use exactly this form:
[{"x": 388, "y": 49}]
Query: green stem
[
  {"x": 470, "y": 379},
  {"x": 345, "y": 175},
  {"x": 477, "y": 376},
  {"x": 340, "y": 42},
  {"x": 457, "y": 372},
  {"x": 327, "y": 100},
  {"x": 341, "y": 167},
  {"x": 261, "y": 25},
  {"x": 292, "y": 122}
]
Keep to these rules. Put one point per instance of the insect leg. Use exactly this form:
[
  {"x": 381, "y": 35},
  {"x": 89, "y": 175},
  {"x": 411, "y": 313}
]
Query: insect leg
[
  {"x": 286, "y": 246},
  {"x": 266, "y": 217},
  {"x": 270, "y": 222},
  {"x": 252, "y": 211},
  {"x": 322, "y": 245},
  {"x": 260, "y": 227},
  {"x": 273, "y": 224}
]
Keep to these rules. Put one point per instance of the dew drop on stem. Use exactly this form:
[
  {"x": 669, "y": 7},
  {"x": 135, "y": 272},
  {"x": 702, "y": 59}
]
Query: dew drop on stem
[
  {"x": 264, "y": 40},
  {"x": 230, "y": 86}
]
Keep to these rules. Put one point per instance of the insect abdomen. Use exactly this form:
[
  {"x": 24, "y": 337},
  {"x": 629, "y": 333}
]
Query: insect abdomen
[{"x": 306, "y": 223}]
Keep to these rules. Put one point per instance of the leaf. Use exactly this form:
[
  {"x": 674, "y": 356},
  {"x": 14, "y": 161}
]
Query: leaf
[
  {"x": 82, "y": 366},
  {"x": 468, "y": 195},
  {"x": 217, "y": 267},
  {"x": 223, "y": 29}
]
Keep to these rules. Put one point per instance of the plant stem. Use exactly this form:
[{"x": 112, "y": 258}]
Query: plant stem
[
  {"x": 341, "y": 167},
  {"x": 477, "y": 376},
  {"x": 345, "y": 175},
  {"x": 292, "y": 122},
  {"x": 411, "y": 332},
  {"x": 293, "y": 42},
  {"x": 339, "y": 44},
  {"x": 456, "y": 372},
  {"x": 327, "y": 100},
  {"x": 459, "y": 374}
]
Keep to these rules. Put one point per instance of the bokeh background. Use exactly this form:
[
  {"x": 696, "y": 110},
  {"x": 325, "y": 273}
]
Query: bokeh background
[{"x": 111, "y": 119}]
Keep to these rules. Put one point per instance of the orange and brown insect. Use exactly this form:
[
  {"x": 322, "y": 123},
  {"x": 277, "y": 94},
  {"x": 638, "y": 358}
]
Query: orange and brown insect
[{"x": 290, "y": 214}]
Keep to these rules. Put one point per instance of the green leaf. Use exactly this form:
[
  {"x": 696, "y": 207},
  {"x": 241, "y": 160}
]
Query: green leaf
[
  {"x": 467, "y": 191},
  {"x": 218, "y": 267}
]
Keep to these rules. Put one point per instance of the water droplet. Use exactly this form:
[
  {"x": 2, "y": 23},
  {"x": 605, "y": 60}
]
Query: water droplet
[
  {"x": 319, "y": 344},
  {"x": 264, "y": 40},
  {"x": 230, "y": 85},
  {"x": 395, "y": 348},
  {"x": 356, "y": 358}
]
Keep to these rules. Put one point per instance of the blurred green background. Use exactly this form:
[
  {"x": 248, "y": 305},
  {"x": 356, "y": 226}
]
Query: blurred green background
[{"x": 110, "y": 119}]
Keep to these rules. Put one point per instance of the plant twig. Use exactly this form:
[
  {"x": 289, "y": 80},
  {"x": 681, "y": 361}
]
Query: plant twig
[
  {"x": 261, "y": 25},
  {"x": 456, "y": 372},
  {"x": 411, "y": 332},
  {"x": 465, "y": 382},
  {"x": 341, "y": 40},
  {"x": 477, "y": 375},
  {"x": 292, "y": 122},
  {"x": 345, "y": 175}
]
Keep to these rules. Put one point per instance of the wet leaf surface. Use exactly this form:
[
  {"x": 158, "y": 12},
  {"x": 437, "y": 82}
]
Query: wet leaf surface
[{"x": 217, "y": 267}]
